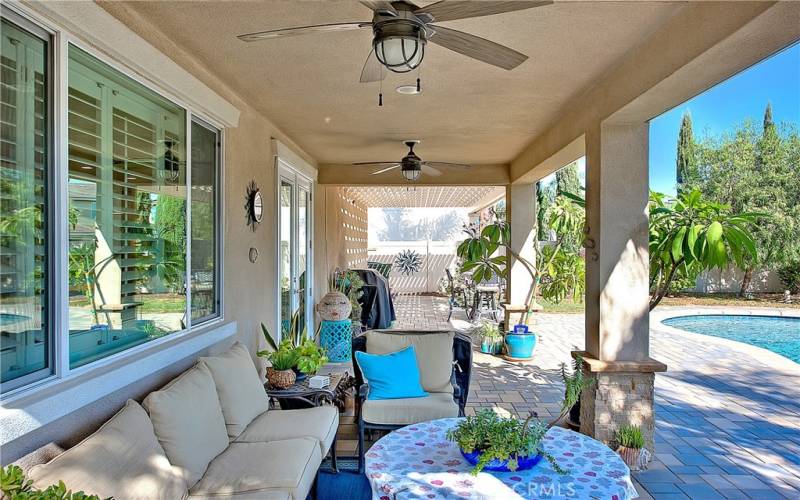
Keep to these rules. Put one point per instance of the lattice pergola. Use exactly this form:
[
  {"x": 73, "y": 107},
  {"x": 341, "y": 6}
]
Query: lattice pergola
[{"x": 424, "y": 196}]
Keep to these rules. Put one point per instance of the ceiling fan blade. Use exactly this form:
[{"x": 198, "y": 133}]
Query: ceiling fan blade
[
  {"x": 385, "y": 169},
  {"x": 380, "y": 6},
  {"x": 375, "y": 163},
  {"x": 426, "y": 168},
  {"x": 303, "y": 30},
  {"x": 477, "y": 47},
  {"x": 447, "y": 165},
  {"x": 450, "y": 10},
  {"x": 373, "y": 69}
]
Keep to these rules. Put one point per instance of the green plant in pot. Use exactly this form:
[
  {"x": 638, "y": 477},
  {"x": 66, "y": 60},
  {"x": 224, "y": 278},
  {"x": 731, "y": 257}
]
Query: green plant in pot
[
  {"x": 501, "y": 444},
  {"x": 282, "y": 359},
  {"x": 491, "y": 338},
  {"x": 630, "y": 446},
  {"x": 574, "y": 384},
  {"x": 310, "y": 357}
]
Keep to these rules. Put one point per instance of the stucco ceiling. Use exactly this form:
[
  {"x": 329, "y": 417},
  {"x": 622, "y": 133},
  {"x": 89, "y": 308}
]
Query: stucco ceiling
[
  {"x": 425, "y": 196},
  {"x": 468, "y": 111}
]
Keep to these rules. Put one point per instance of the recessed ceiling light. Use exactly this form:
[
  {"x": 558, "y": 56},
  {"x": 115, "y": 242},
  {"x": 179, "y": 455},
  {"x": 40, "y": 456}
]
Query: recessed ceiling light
[{"x": 408, "y": 89}]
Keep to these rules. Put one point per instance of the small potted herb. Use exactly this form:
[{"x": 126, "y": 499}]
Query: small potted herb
[
  {"x": 491, "y": 338},
  {"x": 281, "y": 374},
  {"x": 494, "y": 443},
  {"x": 630, "y": 442}
]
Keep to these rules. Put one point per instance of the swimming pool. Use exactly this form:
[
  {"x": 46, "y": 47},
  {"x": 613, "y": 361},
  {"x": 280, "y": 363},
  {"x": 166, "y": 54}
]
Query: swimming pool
[{"x": 778, "y": 334}]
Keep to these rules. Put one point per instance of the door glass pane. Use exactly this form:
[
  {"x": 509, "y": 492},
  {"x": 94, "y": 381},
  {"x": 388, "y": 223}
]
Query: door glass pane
[
  {"x": 286, "y": 255},
  {"x": 204, "y": 224},
  {"x": 302, "y": 254},
  {"x": 127, "y": 212},
  {"x": 23, "y": 150}
]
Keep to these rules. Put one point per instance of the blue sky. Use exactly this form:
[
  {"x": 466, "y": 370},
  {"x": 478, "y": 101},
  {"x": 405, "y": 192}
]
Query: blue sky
[{"x": 720, "y": 108}]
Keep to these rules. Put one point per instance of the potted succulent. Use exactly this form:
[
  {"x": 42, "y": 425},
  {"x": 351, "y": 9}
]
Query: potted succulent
[
  {"x": 520, "y": 343},
  {"x": 502, "y": 444},
  {"x": 630, "y": 443},
  {"x": 491, "y": 338}
]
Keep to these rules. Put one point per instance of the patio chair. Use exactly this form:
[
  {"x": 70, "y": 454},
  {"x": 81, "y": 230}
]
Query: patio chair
[
  {"x": 456, "y": 292},
  {"x": 445, "y": 362}
]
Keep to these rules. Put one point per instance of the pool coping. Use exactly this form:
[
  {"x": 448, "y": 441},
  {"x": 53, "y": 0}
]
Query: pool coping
[{"x": 765, "y": 355}]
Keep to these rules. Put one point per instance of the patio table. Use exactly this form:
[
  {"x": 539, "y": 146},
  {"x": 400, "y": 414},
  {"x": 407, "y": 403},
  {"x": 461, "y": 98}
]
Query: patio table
[{"x": 417, "y": 461}]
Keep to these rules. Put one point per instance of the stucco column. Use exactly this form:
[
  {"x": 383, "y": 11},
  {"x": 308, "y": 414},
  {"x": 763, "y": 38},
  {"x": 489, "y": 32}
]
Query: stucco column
[
  {"x": 521, "y": 215},
  {"x": 617, "y": 317}
]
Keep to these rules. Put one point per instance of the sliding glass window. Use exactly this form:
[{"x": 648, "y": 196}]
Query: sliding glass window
[
  {"x": 127, "y": 212},
  {"x": 204, "y": 222},
  {"x": 25, "y": 343}
]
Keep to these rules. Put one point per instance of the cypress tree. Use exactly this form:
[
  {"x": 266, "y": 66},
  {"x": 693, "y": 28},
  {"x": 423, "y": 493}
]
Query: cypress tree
[{"x": 686, "y": 161}]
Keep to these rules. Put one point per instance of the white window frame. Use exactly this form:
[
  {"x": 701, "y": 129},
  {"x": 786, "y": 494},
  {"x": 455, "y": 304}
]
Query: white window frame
[{"x": 153, "y": 354}]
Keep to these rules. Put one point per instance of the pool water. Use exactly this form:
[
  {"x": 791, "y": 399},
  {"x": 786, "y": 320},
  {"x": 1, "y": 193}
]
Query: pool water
[{"x": 777, "y": 334}]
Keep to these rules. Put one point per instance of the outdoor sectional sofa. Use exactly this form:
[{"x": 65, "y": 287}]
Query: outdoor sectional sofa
[{"x": 208, "y": 434}]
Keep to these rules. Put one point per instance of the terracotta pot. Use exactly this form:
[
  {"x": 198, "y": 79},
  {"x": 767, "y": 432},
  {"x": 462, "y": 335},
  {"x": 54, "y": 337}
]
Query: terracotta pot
[
  {"x": 280, "y": 379},
  {"x": 630, "y": 456},
  {"x": 334, "y": 306}
]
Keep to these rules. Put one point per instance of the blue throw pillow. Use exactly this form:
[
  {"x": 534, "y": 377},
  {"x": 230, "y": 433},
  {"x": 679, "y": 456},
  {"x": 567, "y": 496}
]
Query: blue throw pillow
[{"x": 391, "y": 376}]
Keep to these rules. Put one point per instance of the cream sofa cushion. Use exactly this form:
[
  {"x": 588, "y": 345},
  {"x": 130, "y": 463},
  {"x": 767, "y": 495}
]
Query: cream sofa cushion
[
  {"x": 409, "y": 411},
  {"x": 241, "y": 395},
  {"x": 434, "y": 352},
  {"x": 122, "y": 459},
  {"x": 188, "y": 421},
  {"x": 319, "y": 423},
  {"x": 262, "y": 468}
]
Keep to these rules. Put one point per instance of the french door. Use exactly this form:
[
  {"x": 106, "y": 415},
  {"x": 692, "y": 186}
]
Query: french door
[{"x": 295, "y": 262}]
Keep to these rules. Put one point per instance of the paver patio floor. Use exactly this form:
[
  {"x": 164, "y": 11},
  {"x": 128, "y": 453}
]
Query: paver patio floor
[{"x": 727, "y": 415}]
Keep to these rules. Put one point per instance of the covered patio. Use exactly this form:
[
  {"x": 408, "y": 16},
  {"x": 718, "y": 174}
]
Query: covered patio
[{"x": 185, "y": 188}]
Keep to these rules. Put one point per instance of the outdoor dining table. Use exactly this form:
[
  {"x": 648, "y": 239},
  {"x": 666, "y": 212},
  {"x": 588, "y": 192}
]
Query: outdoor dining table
[{"x": 417, "y": 461}]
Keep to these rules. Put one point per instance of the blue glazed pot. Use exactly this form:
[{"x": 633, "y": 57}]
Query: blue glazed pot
[
  {"x": 495, "y": 465},
  {"x": 520, "y": 346}
]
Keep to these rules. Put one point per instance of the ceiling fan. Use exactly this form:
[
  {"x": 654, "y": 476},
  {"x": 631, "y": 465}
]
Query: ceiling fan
[
  {"x": 411, "y": 165},
  {"x": 401, "y": 30}
]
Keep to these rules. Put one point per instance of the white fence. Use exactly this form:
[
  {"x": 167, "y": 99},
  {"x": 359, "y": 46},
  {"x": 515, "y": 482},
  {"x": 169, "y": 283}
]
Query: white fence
[{"x": 436, "y": 257}]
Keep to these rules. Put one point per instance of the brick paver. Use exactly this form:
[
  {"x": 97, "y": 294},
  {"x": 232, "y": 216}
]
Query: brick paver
[{"x": 727, "y": 415}]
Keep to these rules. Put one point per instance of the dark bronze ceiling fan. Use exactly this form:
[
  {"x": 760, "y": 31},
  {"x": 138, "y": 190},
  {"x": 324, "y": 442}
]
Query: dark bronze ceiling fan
[
  {"x": 411, "y": 165},
  {"x": 401, "y": 30}
]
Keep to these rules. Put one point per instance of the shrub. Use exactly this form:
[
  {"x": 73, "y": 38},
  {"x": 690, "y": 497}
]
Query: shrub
[
  {"x": 630, "y": 436},
  {"x": 790, "y": 276},
  {"x": 14, "y": 485}
]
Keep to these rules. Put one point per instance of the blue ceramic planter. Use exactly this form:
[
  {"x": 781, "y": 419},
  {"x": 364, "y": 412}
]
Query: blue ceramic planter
[
  {"x": 495, "y": 465},
  {"x": 520, "y": 345}
]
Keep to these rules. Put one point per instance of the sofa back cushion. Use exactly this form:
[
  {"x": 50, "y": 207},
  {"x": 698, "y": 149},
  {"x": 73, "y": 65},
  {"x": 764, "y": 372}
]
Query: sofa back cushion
[
  {"x": 188, "y": 421},
  {"x": 434, "y": 351},
  {"x": 122, "y": 459},
  {"x": 241, "y": 395}
]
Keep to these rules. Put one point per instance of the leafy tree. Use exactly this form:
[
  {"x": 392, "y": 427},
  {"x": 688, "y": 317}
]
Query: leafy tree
[
  {"x": 545, "y": 195},
  {"x": 755, "y": 170},
  {"x": 686, "y": 158},
  {"x": 695, "y": 232},
  {"x": 567, "y": 180}
]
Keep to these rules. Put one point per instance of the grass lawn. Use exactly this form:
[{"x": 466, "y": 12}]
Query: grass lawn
[{"x": 153, "y": 303}]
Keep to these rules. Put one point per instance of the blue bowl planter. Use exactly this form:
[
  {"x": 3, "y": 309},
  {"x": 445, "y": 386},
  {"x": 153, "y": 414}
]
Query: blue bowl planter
[
  {"x": 520, "y": 346},
  {"x": 495, "y": 465}
]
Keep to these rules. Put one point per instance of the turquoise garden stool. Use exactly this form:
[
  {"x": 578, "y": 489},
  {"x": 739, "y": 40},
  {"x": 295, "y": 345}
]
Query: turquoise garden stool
[{"x": 336, "y": 337}]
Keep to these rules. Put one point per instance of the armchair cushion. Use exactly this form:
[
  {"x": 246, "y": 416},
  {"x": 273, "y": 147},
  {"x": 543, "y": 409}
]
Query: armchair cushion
[
  {"x": 393, "y": 375},
  {"x": 241, "y": 395},
  {"x": 409, "y": 411},
  {"x": 122, "y": 459},
  {"x": 434, "y": 352}
]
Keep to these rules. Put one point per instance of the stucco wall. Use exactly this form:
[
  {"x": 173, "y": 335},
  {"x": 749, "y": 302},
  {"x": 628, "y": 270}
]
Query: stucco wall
[{"x": 249, "y": 288}]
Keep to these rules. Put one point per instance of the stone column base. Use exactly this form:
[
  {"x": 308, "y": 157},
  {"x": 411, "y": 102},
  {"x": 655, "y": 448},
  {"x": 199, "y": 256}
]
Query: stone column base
[{"x": 622, "y": 394}]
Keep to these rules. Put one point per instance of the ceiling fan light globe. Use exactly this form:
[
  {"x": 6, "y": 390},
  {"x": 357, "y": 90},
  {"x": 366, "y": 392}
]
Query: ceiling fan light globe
[
  {"x": 400, "y": 54},
  {"x": 411, "y": 175}
]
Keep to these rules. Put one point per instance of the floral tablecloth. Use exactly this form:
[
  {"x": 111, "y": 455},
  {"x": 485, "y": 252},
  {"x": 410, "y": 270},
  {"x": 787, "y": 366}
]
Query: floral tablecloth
[{"x": 417, "y": 461}]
